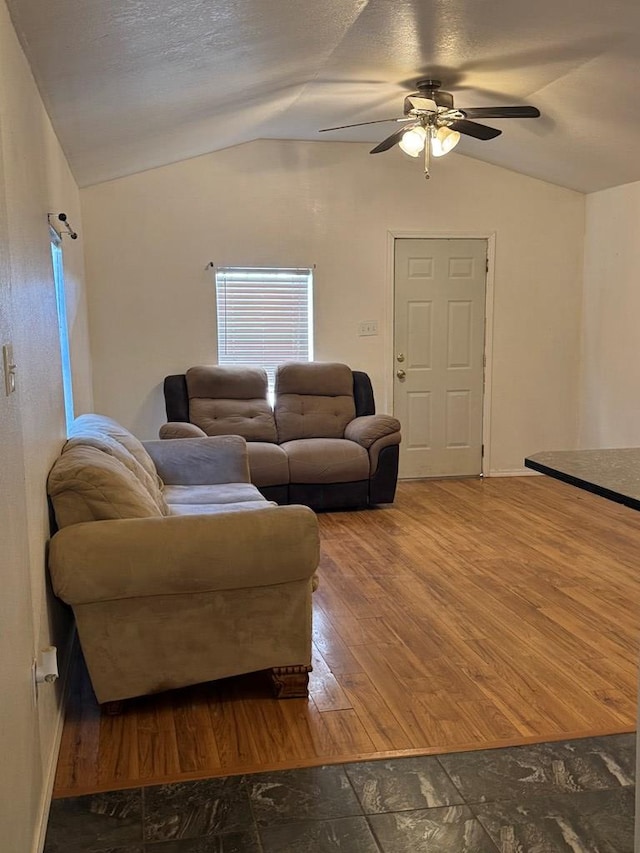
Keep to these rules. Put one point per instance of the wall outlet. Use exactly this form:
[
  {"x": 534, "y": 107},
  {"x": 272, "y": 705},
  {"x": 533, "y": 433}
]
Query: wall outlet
[
  {"x": 368, "y": 327},
  {"x": 9, "y": 369},
  {"x": 34, "y": 683}
]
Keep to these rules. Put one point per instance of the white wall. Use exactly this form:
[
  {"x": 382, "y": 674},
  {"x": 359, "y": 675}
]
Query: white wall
[
  {"x": 151, "y": 307},
  {"x": 610, "y": 400},
  {"x": 34, "y": 179}
]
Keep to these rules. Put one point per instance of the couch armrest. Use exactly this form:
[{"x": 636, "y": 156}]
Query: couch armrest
[
  {"x": 179, "y": 429},
  {"x": 200, "y": 461},
  {"x": 374, "y": 451},
  {"x": 140, "y": 557},
  {"x": 368, "y": 429}
]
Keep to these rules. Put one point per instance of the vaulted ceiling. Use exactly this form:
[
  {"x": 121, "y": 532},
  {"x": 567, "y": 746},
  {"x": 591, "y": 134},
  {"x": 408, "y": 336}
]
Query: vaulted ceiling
[{"x": 133, "y": 84}]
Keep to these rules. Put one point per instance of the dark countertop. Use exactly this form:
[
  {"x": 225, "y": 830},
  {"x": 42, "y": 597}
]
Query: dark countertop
[{"x": 612, "y": 473}]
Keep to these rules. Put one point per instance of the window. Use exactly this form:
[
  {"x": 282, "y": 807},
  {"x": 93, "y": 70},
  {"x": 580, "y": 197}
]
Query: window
[
  {"x": 265, "y": 316},
  {"x": 63, "y": 331}
]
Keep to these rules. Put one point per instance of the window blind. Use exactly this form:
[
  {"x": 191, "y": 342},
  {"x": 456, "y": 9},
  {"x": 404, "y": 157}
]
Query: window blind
[{"x": 264, "y": 316}]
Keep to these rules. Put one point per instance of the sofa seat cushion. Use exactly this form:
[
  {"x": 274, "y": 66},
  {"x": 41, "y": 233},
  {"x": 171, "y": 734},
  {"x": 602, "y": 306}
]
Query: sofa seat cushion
[
  {"x": 268, "y": 464},
  {"x": 213, "y": 508},
  {"x": 223, "y": 493},
  {"x": 326, "y": 460},
  {"x": 231, "y": 401},
  {"x": 87, "y": 484}
]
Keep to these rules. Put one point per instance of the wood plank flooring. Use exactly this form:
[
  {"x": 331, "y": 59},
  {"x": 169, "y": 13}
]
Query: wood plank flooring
[{"x": 472, "y": 613}]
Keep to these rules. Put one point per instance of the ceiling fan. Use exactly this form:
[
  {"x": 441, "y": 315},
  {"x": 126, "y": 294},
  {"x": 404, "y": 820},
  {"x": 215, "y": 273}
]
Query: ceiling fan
[{"x": 432, "y": 123}]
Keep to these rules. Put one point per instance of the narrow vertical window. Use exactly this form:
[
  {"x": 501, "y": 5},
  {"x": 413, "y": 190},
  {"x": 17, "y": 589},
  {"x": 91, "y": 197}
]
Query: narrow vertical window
[
  {"x": 265, "y": 316},
  {"x": 63, "y": 330}
]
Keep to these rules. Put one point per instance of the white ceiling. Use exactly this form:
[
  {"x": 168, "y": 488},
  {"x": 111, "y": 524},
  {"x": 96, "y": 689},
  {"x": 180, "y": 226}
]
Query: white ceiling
[{"x": 133, "y": 84}]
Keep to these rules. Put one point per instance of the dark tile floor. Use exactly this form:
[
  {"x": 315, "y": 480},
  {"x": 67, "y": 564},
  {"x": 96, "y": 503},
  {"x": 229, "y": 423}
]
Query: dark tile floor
[{"x": 570, "y": 797}]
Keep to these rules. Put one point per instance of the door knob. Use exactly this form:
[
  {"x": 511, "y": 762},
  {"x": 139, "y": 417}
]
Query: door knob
[
  {"x": 400, "y": 356},
  {"x": 401, "y": 374}
]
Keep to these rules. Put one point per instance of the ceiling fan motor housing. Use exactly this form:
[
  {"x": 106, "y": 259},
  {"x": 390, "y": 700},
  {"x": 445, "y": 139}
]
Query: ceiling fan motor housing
[{"x": 431, "y": 89}]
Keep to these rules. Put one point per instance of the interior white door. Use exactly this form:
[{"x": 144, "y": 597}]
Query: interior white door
[{"x": 439, "y": 323}]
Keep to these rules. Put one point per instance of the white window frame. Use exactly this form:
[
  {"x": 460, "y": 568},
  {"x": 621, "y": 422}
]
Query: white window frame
[{"x": 264, "y": 316}]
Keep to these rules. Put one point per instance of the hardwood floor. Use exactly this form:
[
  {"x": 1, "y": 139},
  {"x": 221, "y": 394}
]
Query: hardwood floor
[{"x": 472, "y": 613}]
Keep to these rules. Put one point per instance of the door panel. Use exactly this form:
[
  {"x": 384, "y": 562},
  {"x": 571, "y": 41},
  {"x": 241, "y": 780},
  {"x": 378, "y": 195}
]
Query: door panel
[
  {"x": 458, "y": 419},
  {"x": 459, "y": 334},
  {"x": 419, "y": 411},
  {"x": 439, "y": 350},
  {"x": 420, "y": 335}
]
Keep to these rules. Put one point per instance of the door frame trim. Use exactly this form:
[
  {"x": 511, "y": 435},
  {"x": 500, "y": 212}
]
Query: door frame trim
[{"x": 447, "y": 234}]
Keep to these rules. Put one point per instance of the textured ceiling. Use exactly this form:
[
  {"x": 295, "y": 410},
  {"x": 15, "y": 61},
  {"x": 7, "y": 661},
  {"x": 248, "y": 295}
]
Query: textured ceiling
[{"x": 133, "y": 84}]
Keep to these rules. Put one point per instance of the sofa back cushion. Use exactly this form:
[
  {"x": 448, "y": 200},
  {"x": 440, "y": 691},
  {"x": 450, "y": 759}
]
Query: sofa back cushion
[
  {"x": 231, "y": 401},
  {"x": 105, "y": 434},
  {"x": 313, "y": 400},
  {"x": 88, "y": 484}
]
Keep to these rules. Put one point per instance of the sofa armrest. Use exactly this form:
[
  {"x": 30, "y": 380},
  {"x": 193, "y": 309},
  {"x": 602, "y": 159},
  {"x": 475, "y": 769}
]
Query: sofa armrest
[
  {"x": 179, "y": 429},
  {"x": 200, "y": 461},
  {"x": 368, "y": 429},
  {"x": 140, "y": 557}
]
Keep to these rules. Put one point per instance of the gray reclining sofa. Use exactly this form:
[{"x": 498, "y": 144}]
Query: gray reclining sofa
[{"x": 321, "y": 444}]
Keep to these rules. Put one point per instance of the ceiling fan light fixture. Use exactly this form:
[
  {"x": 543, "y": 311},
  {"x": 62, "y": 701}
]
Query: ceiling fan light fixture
[
  {"x": 433, "y": 124},
  {"x": 443, "y": 141},
  {"x": 413, "y": 141}
]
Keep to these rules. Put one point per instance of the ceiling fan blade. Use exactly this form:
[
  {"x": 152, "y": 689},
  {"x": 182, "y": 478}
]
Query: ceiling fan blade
[
  {"x": 501, "y": 112},
  {"x": 390, "y": 141},
  {"x": 472, "y": 128},
  {"x": 362, "y": 123}
]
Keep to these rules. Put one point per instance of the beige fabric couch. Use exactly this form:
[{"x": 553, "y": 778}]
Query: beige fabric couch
[
  {"x": 321, "y": 444},
  {"x": 177, "y": 569}
]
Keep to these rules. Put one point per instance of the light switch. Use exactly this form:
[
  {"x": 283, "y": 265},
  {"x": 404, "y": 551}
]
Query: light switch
[
  {"x": 368, "y": 327},
  {"x": 9, "y": 369}
]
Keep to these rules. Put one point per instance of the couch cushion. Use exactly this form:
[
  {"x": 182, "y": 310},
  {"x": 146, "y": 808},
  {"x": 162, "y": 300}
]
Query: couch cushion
[
  {"x": 326, "y": 460},
  {"x": 231, "y": 401},
  {"x": 326, "y": 378},
  {"x": 108, "y": 435},
  {"x": 180, "y": 429},
  {"x": 268, "y": 464},
  {"x": 313, "y": 400},
  {"x": 223, "y": 493},
  {"x": 87, "y": 484},
  {"x": 214, "y": 509},
  {"x": 200, "y": 461}
]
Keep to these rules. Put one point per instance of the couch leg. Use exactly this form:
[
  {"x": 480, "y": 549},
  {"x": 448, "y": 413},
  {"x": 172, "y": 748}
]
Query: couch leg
[
  {"x": 291, "y": 682},
  {"x": 113, "y": 709}
]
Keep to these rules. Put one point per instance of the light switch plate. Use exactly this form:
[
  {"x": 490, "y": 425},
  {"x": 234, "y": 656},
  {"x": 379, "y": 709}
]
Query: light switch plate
[
  {"x": 368, "y": 327},
  {"x": 9, "y": 369}
]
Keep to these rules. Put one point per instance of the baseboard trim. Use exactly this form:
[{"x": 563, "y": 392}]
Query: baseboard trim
[
  {"x": 47, "y": 791},
  {"x": 520, "y": 472},
  {"x": 516, "y": 472}
]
